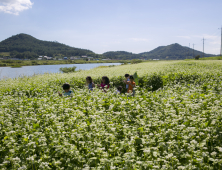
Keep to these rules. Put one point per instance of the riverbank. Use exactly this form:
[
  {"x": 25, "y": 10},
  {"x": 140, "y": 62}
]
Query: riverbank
[{"x": 20, "y": 63}]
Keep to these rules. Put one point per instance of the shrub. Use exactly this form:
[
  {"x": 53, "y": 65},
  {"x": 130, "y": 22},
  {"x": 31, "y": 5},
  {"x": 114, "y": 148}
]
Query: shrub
[
  {"x": 68, "y": 69},
  {"x": 197, "y": 57},
  {"x": 135, "y": 61},
  {"x": 3, "y": 65},
  {"x": 16, "y": 66}
]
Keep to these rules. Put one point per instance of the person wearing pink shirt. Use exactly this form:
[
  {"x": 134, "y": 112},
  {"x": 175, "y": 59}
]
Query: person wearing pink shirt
[{"x": 104, "y": 83}]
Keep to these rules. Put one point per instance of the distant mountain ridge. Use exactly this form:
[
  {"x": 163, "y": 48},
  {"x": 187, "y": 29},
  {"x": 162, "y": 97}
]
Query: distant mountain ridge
[
  {"x": 173, "y": 52},
  {"x": 170, "y": 52},
  {"x": 26, "y": 46}
]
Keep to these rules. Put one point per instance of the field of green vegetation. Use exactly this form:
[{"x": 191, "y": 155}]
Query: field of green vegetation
[
  {"x": 4, "y": 53},
  {"x": 207, "y": 58},
  {"x": 211, "y": 58},
  {"x": 173, "y": 122},
  {"x": 19, "y": 63}
]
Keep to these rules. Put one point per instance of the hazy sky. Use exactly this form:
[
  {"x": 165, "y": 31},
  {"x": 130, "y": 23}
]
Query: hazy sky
[{"x": 115, "y": 25}]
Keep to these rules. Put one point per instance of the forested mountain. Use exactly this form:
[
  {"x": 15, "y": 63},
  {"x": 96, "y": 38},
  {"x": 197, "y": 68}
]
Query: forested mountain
[
  {"x": 26, "y": 46},
  {"x": 172, "y": 52},
  {"x": 123, "y": 55}
]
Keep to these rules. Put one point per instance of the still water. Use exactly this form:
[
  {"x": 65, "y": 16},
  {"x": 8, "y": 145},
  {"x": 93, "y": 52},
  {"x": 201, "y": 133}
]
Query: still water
[{"x": 8, "y": 72}]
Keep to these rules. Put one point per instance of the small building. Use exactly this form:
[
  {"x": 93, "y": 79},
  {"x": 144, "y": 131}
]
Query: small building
[
  {"x": 65, "y": 58},
  {"x": 84, "y": 56},
  {"x": 39, "y": 58},
  {"x": 49, "y": 58},
  {"x": 1, "y": 58},
  {"x": 75, "y": 58}
]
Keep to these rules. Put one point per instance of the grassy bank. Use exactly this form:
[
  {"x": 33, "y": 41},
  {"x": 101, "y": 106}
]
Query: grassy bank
[
  {"x": 208, "y": 58},
  {"x": 173, "y": 122},
  {"x": 19, "y": 63},
  {"x": 211, "y": 58}
]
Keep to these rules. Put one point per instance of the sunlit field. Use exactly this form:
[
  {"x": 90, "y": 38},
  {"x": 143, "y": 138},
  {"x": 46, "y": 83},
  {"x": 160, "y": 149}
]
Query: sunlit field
[{"x": 173, "y": 122}]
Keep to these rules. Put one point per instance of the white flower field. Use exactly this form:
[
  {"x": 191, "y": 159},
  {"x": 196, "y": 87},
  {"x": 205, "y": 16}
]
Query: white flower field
[{"x": 173, "y": 122}]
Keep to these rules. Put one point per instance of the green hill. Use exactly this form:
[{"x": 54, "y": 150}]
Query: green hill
[
  {"x": 172, "y": 52},
  {"x": 122, "y": 55},
  {"x": 26, "y": 46}
]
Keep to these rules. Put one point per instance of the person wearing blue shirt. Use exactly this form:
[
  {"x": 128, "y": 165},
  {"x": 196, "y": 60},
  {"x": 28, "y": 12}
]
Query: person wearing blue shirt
[
  {"x": 90, "y": 83},
  {"x": 127, "y": 79},
  {"x": 67, "y": 91}
]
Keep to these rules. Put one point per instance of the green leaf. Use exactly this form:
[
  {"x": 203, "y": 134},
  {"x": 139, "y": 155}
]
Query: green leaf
[{"x": 35, "y": 125}]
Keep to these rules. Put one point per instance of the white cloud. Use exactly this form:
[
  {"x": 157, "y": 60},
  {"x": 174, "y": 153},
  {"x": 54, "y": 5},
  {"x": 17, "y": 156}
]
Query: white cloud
[{"x": 15, "y": 6}]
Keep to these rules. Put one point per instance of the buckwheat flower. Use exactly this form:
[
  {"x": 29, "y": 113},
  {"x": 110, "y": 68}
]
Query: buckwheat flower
[
  {"x": 193, "y": 142},
  {"x": 155, "y": 154},
  {"x": 169, "y": 156},
  {"x": 199, "y": 159},
  {"x": 147, "y": 150},
  {"x": 6, "y": 162},
  {"x": 181, "y": 167},
  {"x": 164, "y": 167},
  {"x": 220, "y": 149},
  {"x": 214, "y": 153},
  {"x": 157, "y": 167},
  {"x": 201, "y": 133},
  {"x": 12, "y": 150},
  {"x": 23, "y": 167},
  {"x": 16, "y": 159}
]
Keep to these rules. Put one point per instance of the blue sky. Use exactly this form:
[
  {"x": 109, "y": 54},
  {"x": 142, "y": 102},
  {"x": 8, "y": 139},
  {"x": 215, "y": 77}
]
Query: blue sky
[{"x": 116, "y": 25}]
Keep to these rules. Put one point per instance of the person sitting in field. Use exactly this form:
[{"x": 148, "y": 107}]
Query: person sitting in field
[
  {"x": 67, "y": 91},
  {"x": 90, "y": 83},
  {"x": 131, "y": 84},
  {"x": 119, "y": 90},
  {"x": 104, "y": 83}
]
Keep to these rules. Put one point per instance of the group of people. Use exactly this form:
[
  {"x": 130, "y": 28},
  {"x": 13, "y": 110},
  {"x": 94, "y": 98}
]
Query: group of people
[{"x": 129, "y": 81}]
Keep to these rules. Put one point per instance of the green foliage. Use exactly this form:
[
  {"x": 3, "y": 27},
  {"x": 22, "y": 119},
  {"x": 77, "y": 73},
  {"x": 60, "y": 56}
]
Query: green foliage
[
  {"x": 197, "y": 57},
  {"x": 177, "y": 126},
  {"x": 136, "y": 61},
  {"x": 16, "y": 66},
  {"x": 68, "y": 69},
  {"x": 3, "y": 65},
  {"x": 212, "y": 58},
  {"x": 135, "y": 76}
]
